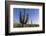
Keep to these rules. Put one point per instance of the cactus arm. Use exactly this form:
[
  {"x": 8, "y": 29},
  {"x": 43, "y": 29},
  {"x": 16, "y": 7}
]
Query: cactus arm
[
  {"x": 26, "y": 19},
  {"x": 20, "y": 18}
]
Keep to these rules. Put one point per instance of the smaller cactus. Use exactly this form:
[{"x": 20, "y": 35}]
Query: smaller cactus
[{"x": 31, "y": 22}]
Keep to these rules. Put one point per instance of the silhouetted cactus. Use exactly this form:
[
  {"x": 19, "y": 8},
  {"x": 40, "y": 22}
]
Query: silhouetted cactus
[{"x": 23, "y": 18}]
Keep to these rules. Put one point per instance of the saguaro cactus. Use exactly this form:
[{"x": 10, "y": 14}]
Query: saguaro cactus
[{"x": 23, "y": 18}]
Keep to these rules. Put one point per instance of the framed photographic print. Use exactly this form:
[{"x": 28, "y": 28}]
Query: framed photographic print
[{"x": 24, "y": 17}]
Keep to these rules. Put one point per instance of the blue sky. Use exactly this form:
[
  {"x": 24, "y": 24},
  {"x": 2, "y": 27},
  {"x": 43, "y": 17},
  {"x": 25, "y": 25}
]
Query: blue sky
[{"x": 33, "y": 14}]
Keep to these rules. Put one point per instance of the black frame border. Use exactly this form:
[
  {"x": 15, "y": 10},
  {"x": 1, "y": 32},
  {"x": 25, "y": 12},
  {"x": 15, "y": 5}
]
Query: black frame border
[{"x": 7, "y": 18}]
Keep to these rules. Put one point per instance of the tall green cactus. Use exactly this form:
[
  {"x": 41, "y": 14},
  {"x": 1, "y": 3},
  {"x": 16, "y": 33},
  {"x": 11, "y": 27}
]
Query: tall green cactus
[{"x": 23, "y": 18}]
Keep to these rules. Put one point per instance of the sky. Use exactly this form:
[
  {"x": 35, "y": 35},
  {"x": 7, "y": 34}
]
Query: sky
[{"x": 33, "y": 14}]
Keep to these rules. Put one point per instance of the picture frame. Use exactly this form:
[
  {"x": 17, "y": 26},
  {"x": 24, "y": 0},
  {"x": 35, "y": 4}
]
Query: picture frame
[{"x": 28, "y": 6}]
